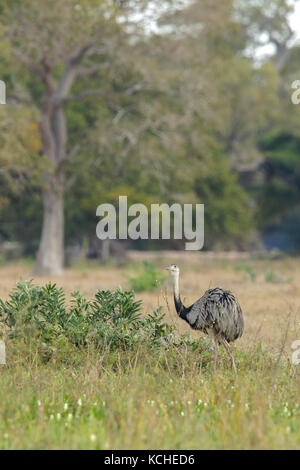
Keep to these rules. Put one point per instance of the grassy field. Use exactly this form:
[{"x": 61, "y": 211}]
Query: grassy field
[{"x": 169, "y": 400}]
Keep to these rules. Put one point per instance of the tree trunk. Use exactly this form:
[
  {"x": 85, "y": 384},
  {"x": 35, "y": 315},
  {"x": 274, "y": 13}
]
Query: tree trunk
[
  {"x": 50, "y": 257},
  {"x": 105, "y": 250}
]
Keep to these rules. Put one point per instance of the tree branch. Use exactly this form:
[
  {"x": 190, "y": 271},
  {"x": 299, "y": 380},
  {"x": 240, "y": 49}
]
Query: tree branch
[
  {"x": 84, "y": 94},
  {"x": 76, "y": 58},
  {"x": 25, "y": 61},
  {"x": 136, "y": 88},
  {"x": 87, "y": 71},
  {"x": 71, "y": 70}
]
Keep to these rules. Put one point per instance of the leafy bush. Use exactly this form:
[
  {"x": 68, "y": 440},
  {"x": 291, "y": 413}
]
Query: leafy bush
[
  {"x": 112, "y": 319},
  {"x": 147, "y": 279}
]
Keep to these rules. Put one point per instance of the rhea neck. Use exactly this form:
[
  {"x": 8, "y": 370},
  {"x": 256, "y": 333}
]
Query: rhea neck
[{"x": 180, "y": 308}]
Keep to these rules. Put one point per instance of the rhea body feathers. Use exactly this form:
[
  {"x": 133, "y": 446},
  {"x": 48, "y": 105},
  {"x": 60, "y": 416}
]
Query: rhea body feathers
[{"x": 217, "y": 313}]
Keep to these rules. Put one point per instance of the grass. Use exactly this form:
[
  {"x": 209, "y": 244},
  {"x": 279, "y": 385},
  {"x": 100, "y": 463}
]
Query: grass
[
  {"x": 276, "y": 278},
  {"x": 143, "y": 402},
  {"x": 161, "y": 398},
  {"x": 248, "y": 270}
]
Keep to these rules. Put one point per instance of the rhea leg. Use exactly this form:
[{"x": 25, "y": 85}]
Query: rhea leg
[
  {"x": 229, "y": 352},
  {"x": 216, "y": 353}
]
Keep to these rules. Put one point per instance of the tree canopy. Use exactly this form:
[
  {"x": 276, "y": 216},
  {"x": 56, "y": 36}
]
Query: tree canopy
[{"x": 169, "y": 104}]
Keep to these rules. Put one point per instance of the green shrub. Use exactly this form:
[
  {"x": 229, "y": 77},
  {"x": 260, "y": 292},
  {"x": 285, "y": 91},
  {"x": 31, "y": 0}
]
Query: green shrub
[
  {"x": 148, "y": 278},
  {"x": 110, "y": 320}
]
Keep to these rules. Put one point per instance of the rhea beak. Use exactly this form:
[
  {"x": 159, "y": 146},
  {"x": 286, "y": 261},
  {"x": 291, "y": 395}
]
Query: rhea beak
[{"x": 168, "y": 268}]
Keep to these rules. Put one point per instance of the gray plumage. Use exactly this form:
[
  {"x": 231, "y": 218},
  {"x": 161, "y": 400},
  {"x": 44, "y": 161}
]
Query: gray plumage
[
  {"x": 217, "y": 310},
  {"x": 216, "y": 313}
]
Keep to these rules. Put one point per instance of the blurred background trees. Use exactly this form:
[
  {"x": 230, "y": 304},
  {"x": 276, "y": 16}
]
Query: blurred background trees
[{"x": 174, "y": 101}]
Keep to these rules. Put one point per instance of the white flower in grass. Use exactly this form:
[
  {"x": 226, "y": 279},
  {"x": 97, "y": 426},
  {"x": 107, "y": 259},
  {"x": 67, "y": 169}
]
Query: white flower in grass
[
  {"x": 58, "y": 416},
  {"x": 51, "y": 417},
  {"x": 182, "y": 413},
  {"x": 39, "y": 403},
  {"x": 70, "y": 417},
  {"x": 66, "y": 406},
  {"x": 79, "y": 402},
  {"x": 93, "y": 437}
]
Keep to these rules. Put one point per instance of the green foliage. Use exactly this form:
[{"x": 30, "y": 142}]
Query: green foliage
[
  {"x": 148, "y": 138},
  {"x": 148, "y": 278},
  {"x": 112, "y": 319},
  {"x": 155, "y": 328},
  {"x": 279, "y": 195},
  {"x": 280, "y": 192},
  {"x": 247, "y": 269},
  {"x": 228, "y": 212}
]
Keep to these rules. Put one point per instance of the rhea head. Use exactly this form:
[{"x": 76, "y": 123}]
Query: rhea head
[{"x": 174, "y": 270}]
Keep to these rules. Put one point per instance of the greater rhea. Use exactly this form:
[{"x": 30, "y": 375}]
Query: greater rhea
[{"x": 216, "y": 313}]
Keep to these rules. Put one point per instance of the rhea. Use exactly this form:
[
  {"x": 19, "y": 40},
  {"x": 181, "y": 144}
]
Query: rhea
[{"x": 217, "y": 313}]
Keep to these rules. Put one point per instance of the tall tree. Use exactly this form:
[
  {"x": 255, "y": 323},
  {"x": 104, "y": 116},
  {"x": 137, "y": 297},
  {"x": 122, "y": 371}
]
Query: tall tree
[{"x": 58, "y": 43}]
